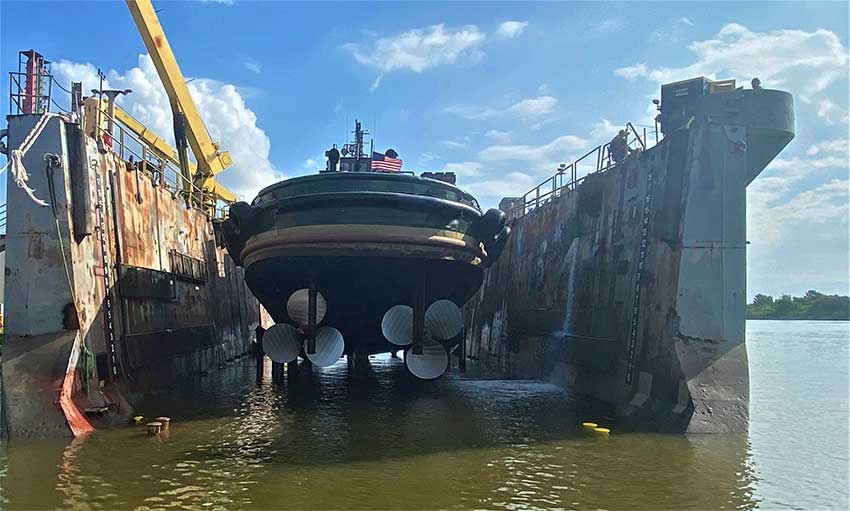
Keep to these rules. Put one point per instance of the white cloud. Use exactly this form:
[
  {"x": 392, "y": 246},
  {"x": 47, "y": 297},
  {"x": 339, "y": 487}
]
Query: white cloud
[
  {"x": 456, "y": 143},
  {"x": 776, "y": 203},
  {"x": 426, "y": 158},
  {"x": 823, "y": 156},
  {"x": 252, "y": 65},
  {"x": 222, "y": 107},
  {"x": 604, "y": 129},
  {"x": 609, "y": 25},
  {"x": 510, "y": 185},
  {"x": 527, "y": 109},
  {"x": 771, "y": 218},
  {"x": 807, "y": 61},
  {"x": 533, "y": 107},
  {"x": 831, "y": 113},
  {"x": 499, "y": 136},
  {"x": 420, "y": 49},
  {"x": 559, "y": 149},
  {"x": 511, "y": 29},
  {"x": 465, "y": 168},
  {"x": 841, "y": 145}
]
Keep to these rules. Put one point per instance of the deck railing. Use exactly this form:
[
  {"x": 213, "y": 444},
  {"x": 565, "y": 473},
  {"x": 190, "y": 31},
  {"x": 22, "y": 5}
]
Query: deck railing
[{"x": 568, "y": 177}]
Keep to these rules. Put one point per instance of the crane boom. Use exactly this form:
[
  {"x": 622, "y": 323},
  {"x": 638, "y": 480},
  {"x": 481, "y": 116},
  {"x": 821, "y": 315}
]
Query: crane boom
[
  {"x": 210, "y": 159},
  {"x": 164, "y": 150}
]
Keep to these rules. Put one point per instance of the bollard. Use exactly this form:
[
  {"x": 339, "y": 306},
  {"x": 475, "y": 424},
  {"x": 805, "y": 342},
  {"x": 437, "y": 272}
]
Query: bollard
[
  {"x": 166, "y": 421},
  {"x": 154, "y": 428}
]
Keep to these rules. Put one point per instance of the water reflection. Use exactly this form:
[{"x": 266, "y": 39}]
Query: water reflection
[{"x": 321, "y": 441}]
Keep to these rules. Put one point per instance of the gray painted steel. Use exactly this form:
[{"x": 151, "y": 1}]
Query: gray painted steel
[{"x": 631, "y": 288}]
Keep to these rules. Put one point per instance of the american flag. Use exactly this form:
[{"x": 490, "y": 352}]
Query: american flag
[{"x": 383, "y": 163}]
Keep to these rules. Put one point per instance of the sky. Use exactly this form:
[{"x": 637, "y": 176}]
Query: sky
[{"x": 499, "y": 93}]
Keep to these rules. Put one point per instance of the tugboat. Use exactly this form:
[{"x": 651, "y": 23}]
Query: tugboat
[{"x": 364, "y": 258}]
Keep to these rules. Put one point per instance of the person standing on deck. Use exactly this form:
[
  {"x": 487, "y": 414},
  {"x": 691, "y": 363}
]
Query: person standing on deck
[{"x": 618, "y": 148}]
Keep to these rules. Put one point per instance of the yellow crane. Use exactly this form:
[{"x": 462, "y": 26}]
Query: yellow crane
[
  {"x": 164, "y": 150},
  {"x": 189, "y": 128}
]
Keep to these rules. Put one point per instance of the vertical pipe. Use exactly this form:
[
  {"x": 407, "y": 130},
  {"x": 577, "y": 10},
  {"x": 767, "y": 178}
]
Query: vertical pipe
[
  {"x": 259, "y": 354},
  {"x": 461, "y": 355},
  {"x": 311, "y": 318},
  {"x": 419, "y": 314}
]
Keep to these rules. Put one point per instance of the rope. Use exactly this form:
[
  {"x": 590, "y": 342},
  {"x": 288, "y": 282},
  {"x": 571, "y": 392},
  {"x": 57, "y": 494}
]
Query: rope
[{"x": 16, "y": 158}]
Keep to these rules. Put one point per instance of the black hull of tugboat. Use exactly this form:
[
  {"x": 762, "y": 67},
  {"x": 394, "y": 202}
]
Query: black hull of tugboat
[
  {"x": 366, "y": 242},
  {"x": 359, "y": 290}
]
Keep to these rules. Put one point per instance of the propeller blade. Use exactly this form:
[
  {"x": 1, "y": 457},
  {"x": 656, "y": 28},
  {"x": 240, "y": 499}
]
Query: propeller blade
[
  {"x": 431, "y": 363},
  {"x": 299, "y": 303},
  {"x": 329, "y": 347},
  {"x": 397, "y": 325},
  {"x": 280, "y": 343},
  {"x": 444, "y": 320}
]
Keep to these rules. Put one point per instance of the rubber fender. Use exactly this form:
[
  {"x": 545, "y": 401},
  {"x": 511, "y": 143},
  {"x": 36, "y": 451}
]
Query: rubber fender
[
  {"x": 495, "y": 249},
  {"x": 242, "y": 215},
  {"x": 490, "y": 224},
  {"x": 231, "y": 240}
]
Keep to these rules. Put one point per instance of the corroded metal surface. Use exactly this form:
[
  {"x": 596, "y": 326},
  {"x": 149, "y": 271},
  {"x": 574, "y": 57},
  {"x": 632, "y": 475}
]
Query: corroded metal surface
[
  {"x": 631, "y": 288},
  {"x": 179, "y": 304}
]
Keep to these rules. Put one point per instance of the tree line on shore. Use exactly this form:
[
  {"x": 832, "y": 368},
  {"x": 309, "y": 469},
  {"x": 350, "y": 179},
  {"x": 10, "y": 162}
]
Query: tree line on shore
[{"x": 812, "y": 305}]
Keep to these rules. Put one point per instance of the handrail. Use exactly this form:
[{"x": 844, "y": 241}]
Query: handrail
[
  {"x": 555, "y": 186},
  {"x": 148, "y": 158},
  {"x": 152, "y": 164}
]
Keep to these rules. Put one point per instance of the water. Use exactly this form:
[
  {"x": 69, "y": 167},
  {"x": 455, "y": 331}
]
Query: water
[{"x": 458, "y": 443}]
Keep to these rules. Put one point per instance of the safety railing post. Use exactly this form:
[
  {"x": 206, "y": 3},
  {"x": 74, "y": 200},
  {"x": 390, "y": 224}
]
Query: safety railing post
[{"x": 121, "y": 142}]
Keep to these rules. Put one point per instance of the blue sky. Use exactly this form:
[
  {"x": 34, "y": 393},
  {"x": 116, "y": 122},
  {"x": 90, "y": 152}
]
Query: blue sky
[{"x": 498, "y": 92}]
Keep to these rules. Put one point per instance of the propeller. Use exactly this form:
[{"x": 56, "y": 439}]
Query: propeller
[
  {"x": 443, "y": 321},
  {"x": 397, "y": 325},
  {"x": 431, "y": 363},
  {"x": 299, "y": 303},
  {"x": 280, "y": 343},
  {"x": 329, "y": 347}
]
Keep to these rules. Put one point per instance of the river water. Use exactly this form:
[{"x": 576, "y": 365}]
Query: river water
[{"x": 461, "y": 443}]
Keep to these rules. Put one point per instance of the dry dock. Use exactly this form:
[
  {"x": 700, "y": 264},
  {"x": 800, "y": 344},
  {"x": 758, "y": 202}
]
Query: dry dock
[{"x": 625, "y": 285}]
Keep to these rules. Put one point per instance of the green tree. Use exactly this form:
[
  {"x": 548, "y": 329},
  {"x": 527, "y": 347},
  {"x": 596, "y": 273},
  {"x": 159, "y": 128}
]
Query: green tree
[
  {"x": 812, "y": 305},
  {"x": 762, "y": 300}
]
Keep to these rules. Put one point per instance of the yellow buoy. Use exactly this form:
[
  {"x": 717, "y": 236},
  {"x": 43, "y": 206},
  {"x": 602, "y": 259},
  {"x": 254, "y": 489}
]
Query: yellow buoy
[
  {"x": 601, "y": 431},
  {"x": 138, "y": 418},
  {"x": 589, "y": 425}
]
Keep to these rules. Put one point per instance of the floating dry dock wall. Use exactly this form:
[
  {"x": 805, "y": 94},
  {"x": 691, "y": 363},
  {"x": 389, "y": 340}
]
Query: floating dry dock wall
[
  {"x": 116, "y": 280},
  {"x": 630, "y": 287}
]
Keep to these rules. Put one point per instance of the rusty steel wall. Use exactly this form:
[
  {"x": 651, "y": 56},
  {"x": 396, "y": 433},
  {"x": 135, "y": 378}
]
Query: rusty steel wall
[
  {"x": 585, "y": 293},
  {"x": 177, "y": 303},
  {"x": 205, "y": 308}
]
